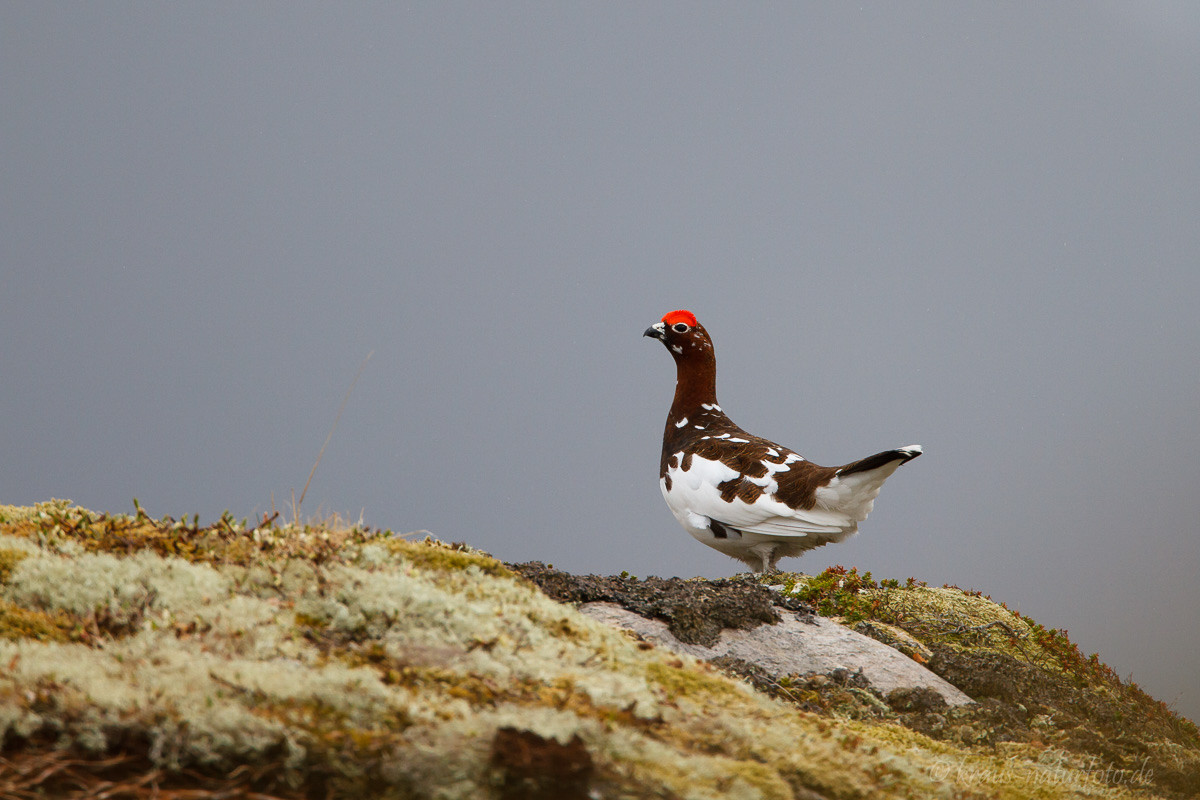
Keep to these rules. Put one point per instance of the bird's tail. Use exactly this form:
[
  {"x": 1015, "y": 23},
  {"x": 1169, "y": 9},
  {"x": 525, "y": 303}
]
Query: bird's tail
[{"x": 901, "y": 454}]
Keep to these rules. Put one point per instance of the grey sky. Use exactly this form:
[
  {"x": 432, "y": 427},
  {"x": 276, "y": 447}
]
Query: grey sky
[{"x": 971, "y": 226}]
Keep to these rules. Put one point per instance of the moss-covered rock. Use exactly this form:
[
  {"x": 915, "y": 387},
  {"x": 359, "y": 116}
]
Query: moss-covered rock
[
  {"x": 335, "y": 661},
  {"x": 1033, "y": 686},
  {"x": 695, "y": 611}
]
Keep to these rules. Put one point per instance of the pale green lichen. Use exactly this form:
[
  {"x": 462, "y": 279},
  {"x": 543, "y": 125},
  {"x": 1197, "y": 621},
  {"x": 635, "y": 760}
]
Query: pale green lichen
[
  {"x": 110, "y": 593},
  {"x": 368, "y": 665}
]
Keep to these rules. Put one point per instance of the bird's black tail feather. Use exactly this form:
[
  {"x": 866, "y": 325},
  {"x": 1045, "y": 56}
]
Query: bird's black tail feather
[{"x": 902, "y": 454}]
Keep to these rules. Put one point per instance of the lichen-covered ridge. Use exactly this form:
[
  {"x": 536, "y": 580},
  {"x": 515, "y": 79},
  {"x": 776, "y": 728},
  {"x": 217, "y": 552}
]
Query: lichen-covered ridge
[{"x": 155, "y": 657}]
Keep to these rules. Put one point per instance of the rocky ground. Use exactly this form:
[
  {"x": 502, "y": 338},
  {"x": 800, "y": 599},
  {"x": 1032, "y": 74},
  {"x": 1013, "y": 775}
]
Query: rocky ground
[
  {"x": 1025, "y": 684},
  {"x": 156, "y": 658}
]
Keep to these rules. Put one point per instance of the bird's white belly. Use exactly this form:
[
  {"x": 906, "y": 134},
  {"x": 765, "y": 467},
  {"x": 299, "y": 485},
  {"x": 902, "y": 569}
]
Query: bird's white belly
[
  {"x": 694, "y": 497},
  {"x": 757, "y": 533}
]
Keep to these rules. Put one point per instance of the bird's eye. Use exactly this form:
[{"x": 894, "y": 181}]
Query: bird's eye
[{"x": 680, "y": 327}]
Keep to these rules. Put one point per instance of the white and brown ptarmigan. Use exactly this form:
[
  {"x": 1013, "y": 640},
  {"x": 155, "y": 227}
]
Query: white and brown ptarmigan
[{"x": 750, "y": 498}]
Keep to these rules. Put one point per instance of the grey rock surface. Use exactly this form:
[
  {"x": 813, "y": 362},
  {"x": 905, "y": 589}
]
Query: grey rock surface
[{"x": 794, "y": 646}]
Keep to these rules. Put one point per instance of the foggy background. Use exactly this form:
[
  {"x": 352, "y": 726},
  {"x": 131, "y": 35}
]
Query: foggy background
[{"x": 970, "y": 226}]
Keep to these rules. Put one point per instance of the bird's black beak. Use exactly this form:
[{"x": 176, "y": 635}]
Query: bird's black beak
[{"x": 656, "y": 331}]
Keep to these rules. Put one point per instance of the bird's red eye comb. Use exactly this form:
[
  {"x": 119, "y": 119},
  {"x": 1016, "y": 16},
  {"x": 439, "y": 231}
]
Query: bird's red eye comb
[{"x": 686, "y": 317}]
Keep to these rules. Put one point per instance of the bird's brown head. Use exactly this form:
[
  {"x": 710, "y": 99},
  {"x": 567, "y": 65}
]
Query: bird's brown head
[
  {"x": 695, "y": 363},
  {"x": 683, "y": 336}
]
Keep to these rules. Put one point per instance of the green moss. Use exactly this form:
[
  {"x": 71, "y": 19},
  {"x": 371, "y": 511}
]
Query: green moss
[
  {"x": 8, "y": 561},
  {"x": 17, "y": 623},
  {"x": 946, "y": 616},
  {"x": 432, "y": 554},
  {"x": 731, "y": 779},
  {"x": 695, "y": 682},
  {"x": 841, "y": 592},
  {"x": 62, "y": 527},
  {"x": 309, "y": 622}
]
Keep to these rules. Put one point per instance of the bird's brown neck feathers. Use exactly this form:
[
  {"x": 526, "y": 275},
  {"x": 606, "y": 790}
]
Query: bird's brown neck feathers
[
  {"x": 695, "y": 377},
  {"x": 695, "y": 385}
]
